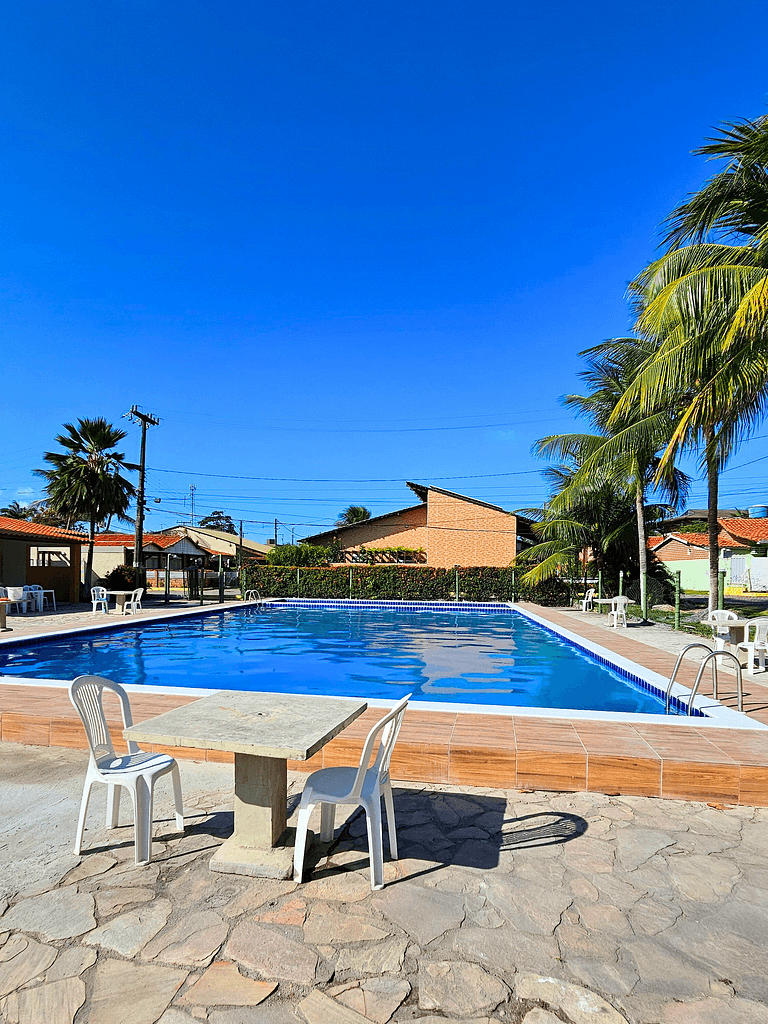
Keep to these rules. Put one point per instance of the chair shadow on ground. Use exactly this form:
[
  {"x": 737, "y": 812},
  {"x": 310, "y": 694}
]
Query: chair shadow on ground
[
  {"x": 434, "y": 830},
  {"x": 429, "y": 835}
]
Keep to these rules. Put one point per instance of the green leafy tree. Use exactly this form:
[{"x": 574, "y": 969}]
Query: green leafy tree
[
  {"x": 353, "y": 514},
  {"x": 84, "y": 481},
  {"x": 17, "y": 511},
  {"x": 218, "y": 520}
]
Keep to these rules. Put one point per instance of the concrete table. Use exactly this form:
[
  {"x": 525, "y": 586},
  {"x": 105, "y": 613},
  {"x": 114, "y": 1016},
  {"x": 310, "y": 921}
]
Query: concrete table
[
  {"x": 263, "y": 730},
  {"x": 120, "y": 596},
  {"x": 735, "y": 629}
]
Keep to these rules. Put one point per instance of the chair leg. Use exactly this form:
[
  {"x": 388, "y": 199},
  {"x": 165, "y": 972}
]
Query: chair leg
[
  {"x": 301, "y": 841},
  {"x": 389, "y": 803},
  {"x": 373, "y": 822},
  {"x": 82, "y": 815},
  {"x": 142, "y": 808},
  {"x": 327, "y": 821},
  {"x": 178, "y": 802},
  {"x": 113, "y": 805}
]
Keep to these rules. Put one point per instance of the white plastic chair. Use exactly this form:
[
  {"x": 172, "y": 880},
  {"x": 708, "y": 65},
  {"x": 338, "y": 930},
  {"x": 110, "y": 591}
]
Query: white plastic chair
[
  {"x": 99, "y": 597},
  {"x": 618, "y": 611},
  {"x": 363, "y": 786},
  {"x": 19, "y": 597},
  {"x": 721, "y": 634},
  {"x": 37, "y": 594},
  {"x": 138, "y": 770},
  {"x": 758, "y": 646},
  {"x": 586, "y": 604},
  {"x": 133, "y": 603}
]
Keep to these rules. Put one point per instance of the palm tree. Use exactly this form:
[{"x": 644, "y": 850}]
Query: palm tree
[
  {"x": 629, "y": 451},
  {"x": 85, "y": 481},
  {"x": 705, "y": 306},
  {"x": 353, "y": 514},
  {"x": 16, "y": 511},
  {"x": 598, "y": 516}
]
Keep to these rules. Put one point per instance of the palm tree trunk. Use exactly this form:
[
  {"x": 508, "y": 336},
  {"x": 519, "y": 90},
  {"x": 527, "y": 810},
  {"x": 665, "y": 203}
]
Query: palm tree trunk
[
  {"x": 712, "y": 525},
  {"x": 89, "y": 557},
  {"x": 642, "y": 542}
]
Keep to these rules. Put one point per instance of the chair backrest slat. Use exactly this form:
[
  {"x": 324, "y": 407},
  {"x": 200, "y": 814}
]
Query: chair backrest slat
[
  {"x": 385, "y": 733},
  {"x": 761, "y": 630},
  {"x": 86, "y": 694}
]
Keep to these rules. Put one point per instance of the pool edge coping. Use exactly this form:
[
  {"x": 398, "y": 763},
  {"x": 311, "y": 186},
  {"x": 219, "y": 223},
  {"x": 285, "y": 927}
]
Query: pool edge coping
[{"x": 713, "y": 714}]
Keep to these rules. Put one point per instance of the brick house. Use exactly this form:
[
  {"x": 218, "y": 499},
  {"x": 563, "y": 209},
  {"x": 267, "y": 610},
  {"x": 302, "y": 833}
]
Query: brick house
[
  {"x": 444, "y": 529},
  {"x": 743, "y": 554}
]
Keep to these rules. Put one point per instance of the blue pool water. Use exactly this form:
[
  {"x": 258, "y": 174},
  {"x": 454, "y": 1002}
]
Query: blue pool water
[{"x": 458, "y": 657}]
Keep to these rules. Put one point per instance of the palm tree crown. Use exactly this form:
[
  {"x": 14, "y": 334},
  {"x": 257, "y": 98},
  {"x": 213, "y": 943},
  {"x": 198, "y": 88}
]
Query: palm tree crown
[
  {"x": 85, "y": 481},
  {"x": 353, "y": 514}
]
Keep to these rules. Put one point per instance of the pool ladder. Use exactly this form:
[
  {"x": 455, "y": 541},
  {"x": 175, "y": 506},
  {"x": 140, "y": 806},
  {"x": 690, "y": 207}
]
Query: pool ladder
[{"x": 711, "y": 656}]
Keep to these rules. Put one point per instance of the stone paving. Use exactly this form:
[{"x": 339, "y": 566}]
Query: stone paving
[{"x": 505, "y": 906}]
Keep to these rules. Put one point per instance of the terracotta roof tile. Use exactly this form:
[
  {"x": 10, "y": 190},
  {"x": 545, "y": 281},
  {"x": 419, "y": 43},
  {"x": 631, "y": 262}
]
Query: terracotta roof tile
[
  {"x": 748, "y": 529},
  {"x": 125, "y": 540},
  {"x": 22, "y": 526}
]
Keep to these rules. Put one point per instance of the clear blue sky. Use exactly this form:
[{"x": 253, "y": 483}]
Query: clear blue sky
[{"x": 316, "y": 238}]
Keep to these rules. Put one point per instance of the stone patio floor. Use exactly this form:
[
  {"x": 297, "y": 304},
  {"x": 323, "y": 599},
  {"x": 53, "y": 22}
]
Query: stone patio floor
[{"x": 504, "y": 906}]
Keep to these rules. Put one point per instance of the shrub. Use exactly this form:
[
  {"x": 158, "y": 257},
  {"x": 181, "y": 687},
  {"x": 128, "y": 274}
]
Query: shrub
[
  {"x": 122, "y": 577},
  {"x": 299, "y": 554},
  {"x": 397, "y": 582}
]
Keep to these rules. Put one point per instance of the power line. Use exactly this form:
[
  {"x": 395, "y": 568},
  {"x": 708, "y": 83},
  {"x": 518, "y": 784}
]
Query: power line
[{"x": 339, "y": 480}]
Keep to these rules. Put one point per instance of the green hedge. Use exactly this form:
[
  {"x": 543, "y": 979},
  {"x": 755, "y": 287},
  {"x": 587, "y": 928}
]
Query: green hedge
[{"x": 397, "y": 582}]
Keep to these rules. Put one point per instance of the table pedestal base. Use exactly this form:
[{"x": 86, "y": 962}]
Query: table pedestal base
[
  {"x": 234, "y": 858},
  {"x": 261, "y": 844}
]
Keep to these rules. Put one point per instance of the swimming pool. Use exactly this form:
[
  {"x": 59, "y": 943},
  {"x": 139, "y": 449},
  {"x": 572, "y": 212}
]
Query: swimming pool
[{"x": 494, "y": 656}]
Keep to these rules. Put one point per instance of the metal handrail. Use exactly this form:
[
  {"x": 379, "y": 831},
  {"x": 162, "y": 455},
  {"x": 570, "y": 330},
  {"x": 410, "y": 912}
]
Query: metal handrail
[
  {"x": 680, "y": 657},
  {"x": 717, "y": 654}
]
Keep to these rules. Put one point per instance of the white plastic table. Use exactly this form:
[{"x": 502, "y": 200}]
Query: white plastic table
[{"x": 263, "y": 730}]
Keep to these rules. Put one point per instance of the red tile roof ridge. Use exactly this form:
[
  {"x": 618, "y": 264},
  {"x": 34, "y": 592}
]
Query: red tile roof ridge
[{"x": 24, "y": 526}]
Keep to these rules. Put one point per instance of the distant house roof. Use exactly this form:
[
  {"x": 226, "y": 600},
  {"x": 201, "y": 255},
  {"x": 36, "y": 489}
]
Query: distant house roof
[
  {"x": 330, "y": 534},
  {"x": 421, "y": 492},
  {"x": 739, "y": 532},
  {"x": 213, "y": 541},
  {"x": 753, "y": 530},
  {"x": 221, "y": 541},
  {"x": 125, "y": 540},
  {"x": 21, "y": 529}
]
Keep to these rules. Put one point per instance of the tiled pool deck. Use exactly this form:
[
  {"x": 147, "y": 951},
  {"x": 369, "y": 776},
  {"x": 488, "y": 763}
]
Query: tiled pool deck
[{"x": 678, "y": 759}]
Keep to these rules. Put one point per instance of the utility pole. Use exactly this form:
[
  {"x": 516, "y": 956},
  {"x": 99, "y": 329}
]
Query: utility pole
[
  {"x": 146, "y": 420},
  {"x": 192, "y": 490},
  {"x": 275, "y": 531}
]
